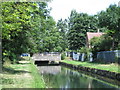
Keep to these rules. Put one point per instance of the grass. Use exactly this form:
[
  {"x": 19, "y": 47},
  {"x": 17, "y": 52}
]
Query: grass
[
  {"x": 38, "y": 80},
  {"x": 22, "y": 75},
  {"x": 109, "y": 67}
]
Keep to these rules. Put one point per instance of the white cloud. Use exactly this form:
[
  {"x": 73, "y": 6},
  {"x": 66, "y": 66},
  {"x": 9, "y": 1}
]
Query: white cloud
[{"x": 62, "y": 8}]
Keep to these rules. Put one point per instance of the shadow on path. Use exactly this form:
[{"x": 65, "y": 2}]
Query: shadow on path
[{"x": 13, "y": 71}]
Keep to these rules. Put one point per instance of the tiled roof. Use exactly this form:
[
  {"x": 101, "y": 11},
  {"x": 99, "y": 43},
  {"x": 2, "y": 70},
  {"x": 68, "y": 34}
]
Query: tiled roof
[{"x": 90, "y": 35}]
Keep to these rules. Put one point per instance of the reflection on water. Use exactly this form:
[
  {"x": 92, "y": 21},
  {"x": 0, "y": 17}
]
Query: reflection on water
[
  {"x": 50, "y": 69},
  {"x": 61, "y": 77}
]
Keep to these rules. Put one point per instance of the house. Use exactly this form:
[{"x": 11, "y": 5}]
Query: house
[{"x": 90, "y": 35}]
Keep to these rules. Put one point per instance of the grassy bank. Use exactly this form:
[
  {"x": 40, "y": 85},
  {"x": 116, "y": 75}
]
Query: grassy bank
[
  {"x": 22, "y": 75},
  {"x": 109, "y": 67}
]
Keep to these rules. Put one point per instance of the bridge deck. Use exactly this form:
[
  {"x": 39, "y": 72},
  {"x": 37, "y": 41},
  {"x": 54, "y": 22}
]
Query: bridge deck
[{"x": 46, "y": 57}]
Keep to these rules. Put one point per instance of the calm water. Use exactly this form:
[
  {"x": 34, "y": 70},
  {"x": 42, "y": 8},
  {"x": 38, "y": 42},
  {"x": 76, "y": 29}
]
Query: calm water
[{"x": 62, "y": 77}]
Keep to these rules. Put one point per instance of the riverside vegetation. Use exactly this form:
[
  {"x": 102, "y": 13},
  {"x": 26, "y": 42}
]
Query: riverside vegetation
[
  {"x": 109, "y": 67},
  {"x": 27, "y": 27}
]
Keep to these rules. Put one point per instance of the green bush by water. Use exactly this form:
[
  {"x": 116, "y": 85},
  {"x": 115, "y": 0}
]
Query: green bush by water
[{"x": 62, "y": 56}]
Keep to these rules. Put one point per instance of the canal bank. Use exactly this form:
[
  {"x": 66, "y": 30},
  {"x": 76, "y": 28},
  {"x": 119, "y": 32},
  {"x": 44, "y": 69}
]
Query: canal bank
[
  {"x": 23, "y": 74},
  {"x": 96, "y": 71}
]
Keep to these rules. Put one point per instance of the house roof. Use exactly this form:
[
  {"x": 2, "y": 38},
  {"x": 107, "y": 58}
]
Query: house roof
[{"x": 90, "y": 35}]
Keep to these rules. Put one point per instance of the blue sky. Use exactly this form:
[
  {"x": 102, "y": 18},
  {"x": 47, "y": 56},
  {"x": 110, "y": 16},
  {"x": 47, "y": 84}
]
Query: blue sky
[{"x": 62, "y": 8}]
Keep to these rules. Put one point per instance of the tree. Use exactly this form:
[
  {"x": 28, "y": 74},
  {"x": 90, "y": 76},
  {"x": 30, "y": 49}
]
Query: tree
[
  {"x": 110, "y": 19},
  {"x": 79, "y": 24},
  {"x": 23, "y": 25},
  {"x": 63, "y": 29},
  {"x": 15, "y": 28}
]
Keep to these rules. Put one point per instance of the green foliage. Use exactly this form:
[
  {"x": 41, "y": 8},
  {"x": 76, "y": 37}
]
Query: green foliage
[
  {"x": 46, "y": 35},
  {"x": 103, "y": 43},
  {"x": 16, "y": 28},
  {"x": 63, "y": 28},
  {"x": 86, "y": 51},
  {"x": 62, "y": 56},
  {"x": 79, "y": 24},
  {"x": 7, "y": 62},
  {"x": 111, "y": 20},
  {"x": 28, "y": 28},
  {"x": 107, "y": 21}
]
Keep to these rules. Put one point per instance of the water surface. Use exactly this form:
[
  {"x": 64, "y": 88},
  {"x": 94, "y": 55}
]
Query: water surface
[{"x": 62, "y": 77}]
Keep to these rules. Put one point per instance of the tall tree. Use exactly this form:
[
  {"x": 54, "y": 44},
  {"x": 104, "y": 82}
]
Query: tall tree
[
  {"x": 15, "y": 27},
  {"x": 110, "y": 19},
  {"x": 23, "y": 27},
  {"x": 79, "y": 24},
  {"x": 63, "y": 29}
]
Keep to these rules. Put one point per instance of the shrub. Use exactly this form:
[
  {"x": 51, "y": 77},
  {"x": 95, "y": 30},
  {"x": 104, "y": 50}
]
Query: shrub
[
  {"x": 62, "y": 56},
  {"x": 103, "y": 43}
]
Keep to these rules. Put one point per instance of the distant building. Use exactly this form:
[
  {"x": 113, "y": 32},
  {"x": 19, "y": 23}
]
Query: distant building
[{"x": 90, "y": 35}]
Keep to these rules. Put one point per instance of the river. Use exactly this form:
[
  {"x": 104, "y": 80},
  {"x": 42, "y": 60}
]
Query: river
[{"x": 63, "y": 77}]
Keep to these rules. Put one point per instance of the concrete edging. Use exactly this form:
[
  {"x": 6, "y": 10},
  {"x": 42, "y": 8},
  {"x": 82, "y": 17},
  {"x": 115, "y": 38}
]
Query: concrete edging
[{"x": 104, "y": 73}]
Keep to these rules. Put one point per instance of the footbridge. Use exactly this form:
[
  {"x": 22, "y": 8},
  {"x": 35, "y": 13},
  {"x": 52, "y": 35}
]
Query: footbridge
[{"x": 52, "y": 56}]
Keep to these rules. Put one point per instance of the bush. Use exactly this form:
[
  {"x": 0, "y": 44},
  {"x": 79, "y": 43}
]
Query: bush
[
  {"x": 62, "y": 56},
  {"x": 103, "y": 43}
]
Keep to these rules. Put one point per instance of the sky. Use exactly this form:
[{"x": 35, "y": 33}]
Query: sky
[{"x": 62, "y": 8}]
